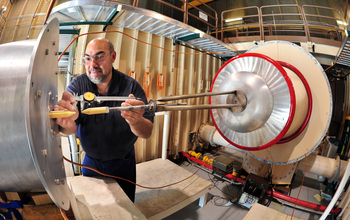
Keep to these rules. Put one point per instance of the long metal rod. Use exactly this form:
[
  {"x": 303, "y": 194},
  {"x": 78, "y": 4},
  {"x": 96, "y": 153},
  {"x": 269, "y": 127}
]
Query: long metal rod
[
  {"x": 178, "y": 97},
  {"x": 160, "y": 108},
  {"x": 31, "y": 22},
  {"x": 194, "y": 107},
  {"x": 114, "y": 98}
]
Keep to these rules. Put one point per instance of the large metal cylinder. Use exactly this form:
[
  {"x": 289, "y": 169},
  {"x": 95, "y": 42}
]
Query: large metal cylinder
[
  {"x": 288, "y": 98},
  {"x": 30, "y": 147}
]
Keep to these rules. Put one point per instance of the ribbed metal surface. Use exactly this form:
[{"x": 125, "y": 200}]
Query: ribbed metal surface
[
  {"x": 268, "y": 101},
  {"x": 139, "y": 19},
  {"x": 311, "y": 137}
]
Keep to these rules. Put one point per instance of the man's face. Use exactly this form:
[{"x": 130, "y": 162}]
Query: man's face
[{"x": 99, "y": 61}]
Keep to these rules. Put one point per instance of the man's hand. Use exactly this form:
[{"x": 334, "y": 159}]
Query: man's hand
[
  {"x": 139, "y": 125},
  {"x": 67, "y": 125},
  {"x": 132, "y": 116}
]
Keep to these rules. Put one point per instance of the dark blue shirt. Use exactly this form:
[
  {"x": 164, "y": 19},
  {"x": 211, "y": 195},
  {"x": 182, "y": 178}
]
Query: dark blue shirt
[{"x": 107, "y": 136}]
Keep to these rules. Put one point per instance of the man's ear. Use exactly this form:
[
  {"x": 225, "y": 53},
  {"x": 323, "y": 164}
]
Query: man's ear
[{"x": 114, "y": 56}]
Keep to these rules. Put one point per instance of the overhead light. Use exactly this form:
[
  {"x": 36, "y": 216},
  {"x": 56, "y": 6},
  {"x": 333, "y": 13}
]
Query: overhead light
[
  {"x": 233, "y": 19},
  {"x": 119, "y": 8},
  {"x": 342, "y": 23}
]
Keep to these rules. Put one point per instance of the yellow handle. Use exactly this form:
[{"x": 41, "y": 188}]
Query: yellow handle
[{"x": 61, "y": 114}]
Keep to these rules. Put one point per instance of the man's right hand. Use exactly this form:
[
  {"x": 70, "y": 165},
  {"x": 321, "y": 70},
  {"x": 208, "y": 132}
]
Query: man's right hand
[{"x": 67, "y": 125}]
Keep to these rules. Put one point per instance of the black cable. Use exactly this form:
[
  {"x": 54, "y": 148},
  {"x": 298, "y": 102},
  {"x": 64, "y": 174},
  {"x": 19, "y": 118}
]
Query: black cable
[
  {"x": 268, "y": 203},
  {"x": 217, "y": 198}
]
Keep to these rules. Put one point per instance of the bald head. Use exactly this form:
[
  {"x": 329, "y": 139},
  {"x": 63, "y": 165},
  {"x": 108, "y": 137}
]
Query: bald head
[
  {"x": 99, "y": 58},
  {"x": 101, "y": 43}
]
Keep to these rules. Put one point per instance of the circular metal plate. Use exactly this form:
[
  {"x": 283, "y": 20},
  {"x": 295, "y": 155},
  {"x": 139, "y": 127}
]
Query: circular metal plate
[
  {"x": 43, "y": 135},
  {"x": 270, "y": 101},
  {"x": 314, "y": 132}
]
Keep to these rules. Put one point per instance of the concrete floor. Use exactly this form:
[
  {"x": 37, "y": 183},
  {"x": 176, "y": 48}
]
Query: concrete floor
[{"x": 222, "y": 199}]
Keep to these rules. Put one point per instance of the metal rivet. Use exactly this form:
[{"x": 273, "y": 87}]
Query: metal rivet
[
  {"x": 62, "y": 182},
  {"x": 57, "y": 181},
  {"x": 44, "y": 152},
  {"x": 38, "y": 94}
]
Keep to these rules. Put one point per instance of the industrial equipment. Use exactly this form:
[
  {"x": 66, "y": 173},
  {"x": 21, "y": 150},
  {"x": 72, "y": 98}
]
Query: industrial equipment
[
  {"x": 223, "y": 163},
  {"x": 31, "y": 156},
  {"x": 289, "y": 103},
  {"x": 253, "y": 190}
]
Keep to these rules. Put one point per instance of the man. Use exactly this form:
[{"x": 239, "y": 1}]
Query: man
[{"x": 107, "y": 139}]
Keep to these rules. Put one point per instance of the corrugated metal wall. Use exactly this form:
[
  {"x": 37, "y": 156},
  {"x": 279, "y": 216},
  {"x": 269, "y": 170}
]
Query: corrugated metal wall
[{"x": 184, "y": 71}]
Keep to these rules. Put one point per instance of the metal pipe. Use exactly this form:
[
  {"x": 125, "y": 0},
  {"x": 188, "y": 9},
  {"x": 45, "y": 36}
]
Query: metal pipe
[
  {"x": 179, "y": 97},
  {"x": 31, "y": 22},
  {"x": 186, "y": 12},
  {"x": 209, "y": 134},
  {"x": 166, "y": 126},
  {"x": 333, "y": 169},
  {"x": 14, "y": 32},
  {"x": 337, "y": 193},
  {"x": 49, "y": 10}
]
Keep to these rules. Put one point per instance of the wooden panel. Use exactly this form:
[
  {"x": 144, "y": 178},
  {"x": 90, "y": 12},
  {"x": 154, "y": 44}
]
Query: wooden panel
[
  {"x": 180, "y": 71},
  {"x": 31, "y": 212},
  {"x": 80, "y": 51},
  {"x": 188, "y": 81},
  {"x": 116, "y": 39},
  {"x": 142, "y": 65},
  {"x": 156, "y": 63},
  {"x": 128, "y": 52},
  {"x": 198, "y": 85},
  {"x": 206, "y": 86},
  {"x": 168, "y": 68}
]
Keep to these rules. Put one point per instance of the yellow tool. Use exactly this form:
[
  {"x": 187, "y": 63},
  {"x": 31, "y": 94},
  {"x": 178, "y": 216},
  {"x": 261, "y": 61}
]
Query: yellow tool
[
  {"x": 61, "y": 114},
  {"x": 96, "y": 110}
]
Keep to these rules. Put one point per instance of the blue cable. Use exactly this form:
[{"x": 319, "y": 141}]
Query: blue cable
[{"x": 12, "y": 208}]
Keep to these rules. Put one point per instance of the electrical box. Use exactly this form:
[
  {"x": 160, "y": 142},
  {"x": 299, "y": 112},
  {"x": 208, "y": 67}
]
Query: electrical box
[
  {"x": 253, "y": 190},
  {"x": 223, "y": 163}
]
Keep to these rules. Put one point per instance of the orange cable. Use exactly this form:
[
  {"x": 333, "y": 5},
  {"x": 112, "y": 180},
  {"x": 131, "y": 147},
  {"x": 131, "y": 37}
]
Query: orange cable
[
  {"x": 146, "y": 187},
  {"x": 100, "y": 32},
  {"x": 64, "y": 216},
  {"x": 300, "y": 187},
  {"x": 49, "y": 10},
  {"x": 338, "y": 59}
]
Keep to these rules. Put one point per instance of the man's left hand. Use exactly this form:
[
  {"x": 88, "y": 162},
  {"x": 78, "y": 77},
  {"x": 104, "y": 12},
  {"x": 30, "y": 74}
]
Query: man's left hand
[{"x": 135, "y": 115}]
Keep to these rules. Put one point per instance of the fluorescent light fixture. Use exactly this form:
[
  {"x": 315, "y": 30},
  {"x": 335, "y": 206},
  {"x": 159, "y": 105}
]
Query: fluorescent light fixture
[
  {"x": 201, "y": 33},
  {"x": 233, "y": 19},
  {"x": 342, "y": 23}
]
